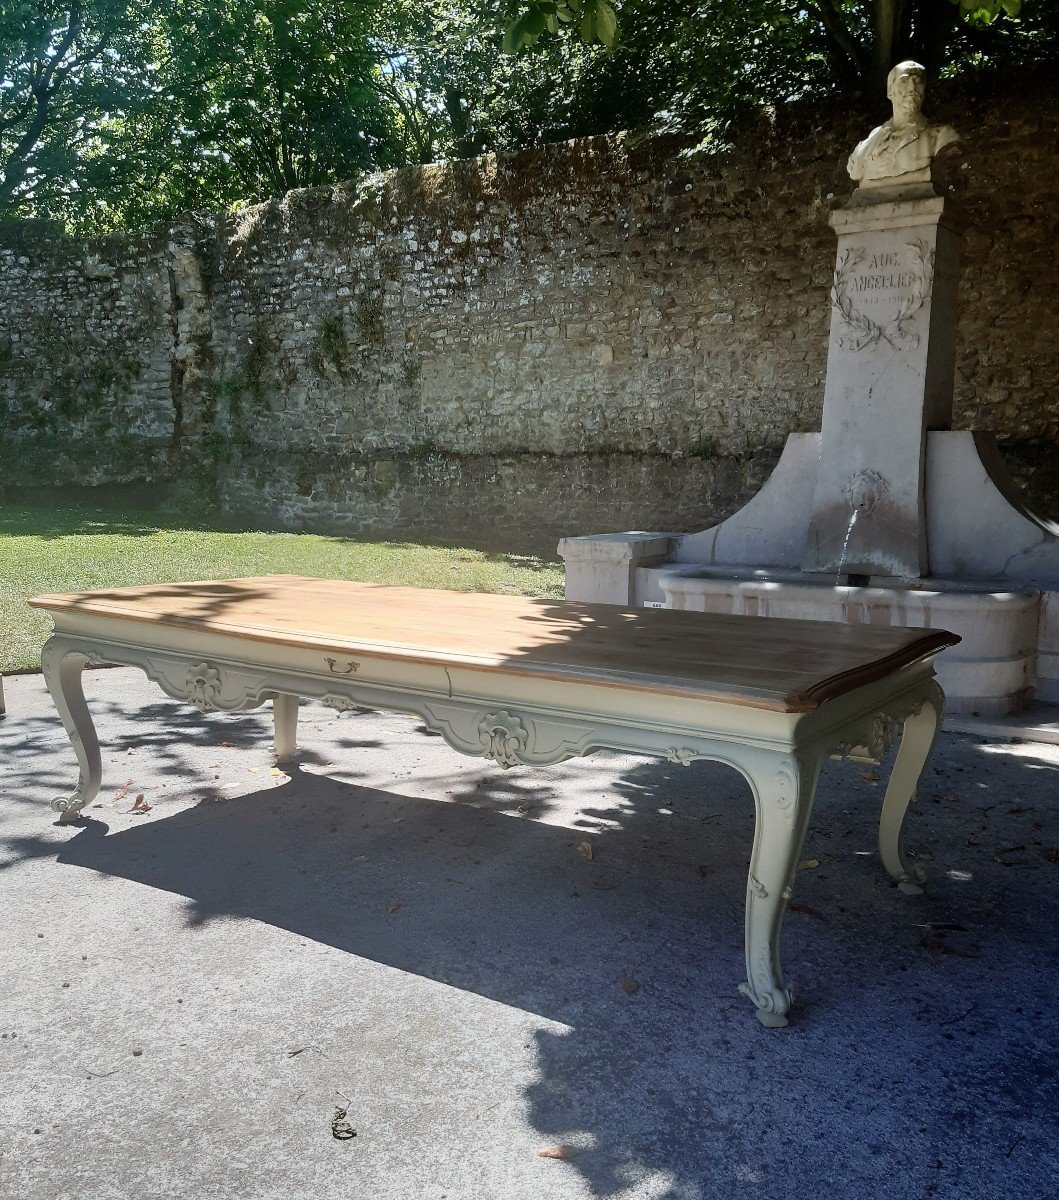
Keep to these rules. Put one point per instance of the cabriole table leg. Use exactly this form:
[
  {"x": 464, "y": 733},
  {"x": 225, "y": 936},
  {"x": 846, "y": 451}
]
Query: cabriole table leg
[
  {"x": 783, "y": 797},
  {"x": 62, "y": 666},
  {"x": 921, "y": 728}
]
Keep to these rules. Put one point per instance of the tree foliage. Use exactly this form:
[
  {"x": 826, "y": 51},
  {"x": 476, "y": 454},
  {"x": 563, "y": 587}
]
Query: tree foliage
[
  {"x": 257, "y": 97},
  {"x": 121, "y": 112},
  {"x": 862, "y": 39},
  {"x": 63, "y": 64}
]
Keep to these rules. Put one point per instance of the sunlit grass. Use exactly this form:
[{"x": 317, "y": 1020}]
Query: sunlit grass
[{"x": 72, "y": 549}]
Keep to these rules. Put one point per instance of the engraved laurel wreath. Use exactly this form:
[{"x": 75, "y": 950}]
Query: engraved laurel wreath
[{"x": 863, "y": 331}]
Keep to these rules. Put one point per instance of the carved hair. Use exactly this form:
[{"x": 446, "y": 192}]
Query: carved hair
[{"x": 908, "y": 67}]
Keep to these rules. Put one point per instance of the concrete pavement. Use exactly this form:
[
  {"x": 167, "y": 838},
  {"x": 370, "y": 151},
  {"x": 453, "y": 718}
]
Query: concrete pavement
[{"x": 191, "y": 992}]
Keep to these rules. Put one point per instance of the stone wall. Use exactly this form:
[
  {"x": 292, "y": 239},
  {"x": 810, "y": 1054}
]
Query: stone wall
[
  {"x": 85, "y": 350},
  {"x": 576, "y": 338}
]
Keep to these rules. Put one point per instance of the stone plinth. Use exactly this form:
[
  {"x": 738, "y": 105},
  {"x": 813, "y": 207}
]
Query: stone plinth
[
  {"x": 601, "y": 569},
  {"x": 889, "y": 380}
]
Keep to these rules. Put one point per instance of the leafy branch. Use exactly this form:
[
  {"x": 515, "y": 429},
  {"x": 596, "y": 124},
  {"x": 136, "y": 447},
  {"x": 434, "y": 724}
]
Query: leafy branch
[{"x": 594, "y": 21}]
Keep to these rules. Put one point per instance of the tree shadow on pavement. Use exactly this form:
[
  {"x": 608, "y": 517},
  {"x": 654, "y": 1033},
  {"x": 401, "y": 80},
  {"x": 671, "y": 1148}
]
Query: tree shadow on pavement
[{"x": 922, "y": 1062}]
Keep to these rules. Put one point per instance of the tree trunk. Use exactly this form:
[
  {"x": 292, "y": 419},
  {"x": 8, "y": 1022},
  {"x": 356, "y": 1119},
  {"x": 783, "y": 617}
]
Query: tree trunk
[
  {"x": 932, "y": 29},
  {"x": 887, "y": 24}
]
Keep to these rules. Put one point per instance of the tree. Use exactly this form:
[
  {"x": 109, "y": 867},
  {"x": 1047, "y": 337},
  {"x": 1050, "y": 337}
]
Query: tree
[
  {"x": 234, "y": 100},
  {"x": 125, "y": 113},
  {"x": 251, "y": 99},
  {"x": 54, "y": 85}
]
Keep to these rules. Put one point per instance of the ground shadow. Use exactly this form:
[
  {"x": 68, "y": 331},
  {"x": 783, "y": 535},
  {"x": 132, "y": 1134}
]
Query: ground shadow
[{"x": 136, "y": 513}]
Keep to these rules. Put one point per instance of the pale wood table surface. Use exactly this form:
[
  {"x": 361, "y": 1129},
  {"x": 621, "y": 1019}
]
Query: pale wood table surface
[
  {"x": 529, "y": 681},
  {"x": 785, "y": 665}
]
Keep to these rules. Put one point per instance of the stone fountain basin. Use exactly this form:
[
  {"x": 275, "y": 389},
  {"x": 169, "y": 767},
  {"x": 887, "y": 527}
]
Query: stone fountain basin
[{"x": 992, "y": 672}]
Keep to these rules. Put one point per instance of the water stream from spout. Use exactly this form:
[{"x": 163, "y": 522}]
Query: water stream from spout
[{"x": 845, "y": 546}]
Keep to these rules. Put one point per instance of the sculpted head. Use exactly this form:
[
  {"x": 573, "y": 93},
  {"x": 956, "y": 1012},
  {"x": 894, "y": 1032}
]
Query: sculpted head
[
  {"x": 907, "y": 143},
  {"x": 906, "y": 87}
]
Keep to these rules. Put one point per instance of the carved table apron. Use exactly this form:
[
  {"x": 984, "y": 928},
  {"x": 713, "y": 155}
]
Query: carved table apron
[{"x": 538, "y": 702}]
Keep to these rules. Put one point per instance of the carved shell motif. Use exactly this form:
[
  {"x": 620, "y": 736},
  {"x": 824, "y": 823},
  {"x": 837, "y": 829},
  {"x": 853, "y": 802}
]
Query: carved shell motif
[
  {"x": 503, "y": 737},
  {"x": 878, "y": 737},
  {"x": 203, "y": 686}
]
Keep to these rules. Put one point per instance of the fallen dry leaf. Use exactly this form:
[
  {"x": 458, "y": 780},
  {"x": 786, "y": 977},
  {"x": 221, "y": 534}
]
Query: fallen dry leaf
[
  {"x": 1051, "y": 853},
  {"x": 794, "y": 906},
  {"x": 586, "y": 849},
  {"x": 629, "y": 986},
  {"x": 870, "y": 776},
  {"x": 1002, "y": 858},
  {"x": 393, "y": 906},
  {"x": 341, "y": 1130},
  {"x": 361, "y": 858},
  {"x": 558, "y": 1152},
  {"x": 807, "y": 864},
  {"x": 140, "y": 805},
  {"x": 276, "y": 771}
]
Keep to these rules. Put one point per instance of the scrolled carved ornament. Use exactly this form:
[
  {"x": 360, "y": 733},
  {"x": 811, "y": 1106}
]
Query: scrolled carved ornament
[
  {"x": 503, "y": 738},
  {"x": 878, "y": 732}
]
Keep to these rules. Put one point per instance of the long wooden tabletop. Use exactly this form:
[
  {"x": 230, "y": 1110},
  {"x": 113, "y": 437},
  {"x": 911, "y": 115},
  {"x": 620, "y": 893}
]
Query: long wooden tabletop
[{"x": 762, "y": 662}]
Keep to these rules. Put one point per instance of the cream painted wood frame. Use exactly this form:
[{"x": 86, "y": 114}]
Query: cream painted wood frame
[{"x": 520, "y": 718}]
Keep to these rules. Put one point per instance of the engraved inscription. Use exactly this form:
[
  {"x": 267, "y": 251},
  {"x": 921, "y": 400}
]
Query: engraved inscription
[
  {"x": 883, "y": 273},
  {"x": 875, "y": 296}
]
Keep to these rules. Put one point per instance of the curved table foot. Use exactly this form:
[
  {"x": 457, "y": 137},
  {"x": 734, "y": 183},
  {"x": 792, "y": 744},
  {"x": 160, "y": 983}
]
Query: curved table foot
[
  {"x": 784, "y": 791},
  {"x": 62, "y": 667},
  {"x": 921, "y": 728}
]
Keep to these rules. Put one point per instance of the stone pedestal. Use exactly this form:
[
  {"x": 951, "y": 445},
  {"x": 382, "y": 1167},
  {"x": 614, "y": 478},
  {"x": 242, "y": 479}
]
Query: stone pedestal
[{"x": 889, "y": 380}]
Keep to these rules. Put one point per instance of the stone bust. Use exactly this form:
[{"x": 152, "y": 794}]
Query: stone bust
[{"x": 901, "y": 149}]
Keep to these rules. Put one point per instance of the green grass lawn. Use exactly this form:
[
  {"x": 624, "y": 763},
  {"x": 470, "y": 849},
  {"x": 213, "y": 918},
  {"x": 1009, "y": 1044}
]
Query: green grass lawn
[{"x": 72, "y": 549}]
